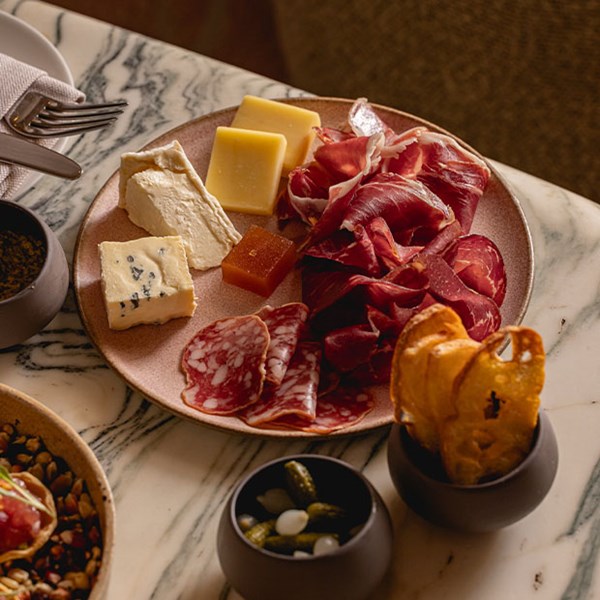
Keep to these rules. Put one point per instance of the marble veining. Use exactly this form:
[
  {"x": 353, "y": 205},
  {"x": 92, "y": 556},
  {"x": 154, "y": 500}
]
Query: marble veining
[{"x": 171, "y": 477}]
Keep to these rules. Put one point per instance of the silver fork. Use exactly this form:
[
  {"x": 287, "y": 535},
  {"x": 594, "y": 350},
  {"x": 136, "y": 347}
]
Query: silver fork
[{"x": 37, "y": 116}]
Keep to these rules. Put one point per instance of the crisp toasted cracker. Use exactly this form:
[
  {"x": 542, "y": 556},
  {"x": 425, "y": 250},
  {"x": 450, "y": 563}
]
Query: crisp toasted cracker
[
  {"x": 432, "y": 326},
  {"x": 497, "y": 403}
]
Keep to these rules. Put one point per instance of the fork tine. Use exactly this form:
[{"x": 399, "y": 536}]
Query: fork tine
[
  {"x": 76, "y": 114},
  {"x": 53, "y": 131},
  {"x": 70, "y": 121},
  {"x": 91, "y": 110},
  {"x": 83, "y": 106},
  {"x": 38, "y": 116}
]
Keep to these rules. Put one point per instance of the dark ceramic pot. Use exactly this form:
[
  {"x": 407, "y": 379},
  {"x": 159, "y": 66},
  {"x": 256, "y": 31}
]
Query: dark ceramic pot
[
  {"x": 489, "y": 506},
  {"x": 31, "y": 309},
  {"x": 351, "y": 572}
]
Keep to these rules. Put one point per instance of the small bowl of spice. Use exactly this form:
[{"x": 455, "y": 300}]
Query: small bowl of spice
[
  {"x": 56, "y": 507},
  {"x": 34, "y": 274},
  {"x": 305, "y": 526}
]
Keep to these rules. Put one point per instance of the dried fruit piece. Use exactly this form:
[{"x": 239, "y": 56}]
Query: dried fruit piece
[{"x": 497, "y": 403}]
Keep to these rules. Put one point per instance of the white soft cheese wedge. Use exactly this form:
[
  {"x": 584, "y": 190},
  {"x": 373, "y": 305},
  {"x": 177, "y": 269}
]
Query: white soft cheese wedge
[
  {"x": 146, "y": 281},
  {"x": 163, "y": 194}
]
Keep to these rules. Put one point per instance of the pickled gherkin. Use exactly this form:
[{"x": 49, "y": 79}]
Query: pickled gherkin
[
  {"x": 323, "y": 514},
  {"x": 296, "y": 521},
  {"x": 301, "y": 484},
  {"x": 287, "y": 544},
  {"x": 259, "y": 532}
]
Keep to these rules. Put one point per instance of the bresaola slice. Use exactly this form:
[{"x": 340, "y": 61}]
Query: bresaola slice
[{"x": 224, "y": 364}]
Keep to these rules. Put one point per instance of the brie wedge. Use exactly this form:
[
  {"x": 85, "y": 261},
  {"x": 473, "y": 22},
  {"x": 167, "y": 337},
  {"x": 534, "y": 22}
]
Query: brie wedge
[{"x": 163, "y": 194}]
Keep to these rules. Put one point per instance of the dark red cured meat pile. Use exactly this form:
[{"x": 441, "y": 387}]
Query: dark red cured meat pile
[
  {"x": 263, "y": 369},
  {"x": 389, "y": 217}
]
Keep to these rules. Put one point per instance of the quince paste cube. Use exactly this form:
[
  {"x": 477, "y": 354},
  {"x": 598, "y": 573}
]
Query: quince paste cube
[
  {"x": 259, "y": 262},
  {"x": 245, "y": 169}
]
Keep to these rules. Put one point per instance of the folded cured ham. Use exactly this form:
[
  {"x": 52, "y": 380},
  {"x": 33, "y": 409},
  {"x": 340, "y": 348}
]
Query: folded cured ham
[{"x": 389, "y": 215}]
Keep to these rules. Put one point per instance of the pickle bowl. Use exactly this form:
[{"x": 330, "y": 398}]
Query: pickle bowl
[
  {"x": 419, "y": 478},
  {"x": 351, "y": 571},
  {"x": 41, "y": 294}
]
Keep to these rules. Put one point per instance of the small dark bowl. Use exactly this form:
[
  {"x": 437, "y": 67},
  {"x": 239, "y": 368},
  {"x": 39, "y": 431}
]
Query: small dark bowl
[
  {"x": 488, "y": 506},
  {"x": 351, "y": 572},
  {"x": 32, "y": 308}
]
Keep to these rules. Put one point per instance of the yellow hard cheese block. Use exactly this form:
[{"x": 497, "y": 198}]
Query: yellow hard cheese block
[
  {"x": 245, "y": 169},
  {"x": 297, "y": 124}
]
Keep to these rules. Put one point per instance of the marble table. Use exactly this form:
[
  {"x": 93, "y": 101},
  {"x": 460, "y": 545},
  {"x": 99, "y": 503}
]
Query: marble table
[{"x": 170, "y": 477}]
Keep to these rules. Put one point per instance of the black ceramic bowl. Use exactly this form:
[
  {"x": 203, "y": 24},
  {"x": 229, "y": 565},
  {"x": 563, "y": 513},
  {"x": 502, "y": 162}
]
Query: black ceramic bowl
[
  {"x": 351, "y": 572},
  {"x": 33, "y": 307},
  {"x": 488, "y": 506}
]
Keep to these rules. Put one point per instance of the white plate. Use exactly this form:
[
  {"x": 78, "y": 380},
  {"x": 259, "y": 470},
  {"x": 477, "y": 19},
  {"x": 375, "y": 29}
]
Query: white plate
[{"x": 21, "y": 41}]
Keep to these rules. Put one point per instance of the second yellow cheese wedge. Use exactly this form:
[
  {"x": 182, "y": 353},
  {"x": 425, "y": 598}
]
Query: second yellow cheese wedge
[
  {"x": 297, "y": 124},
  {"x": 245, "y": 169}
]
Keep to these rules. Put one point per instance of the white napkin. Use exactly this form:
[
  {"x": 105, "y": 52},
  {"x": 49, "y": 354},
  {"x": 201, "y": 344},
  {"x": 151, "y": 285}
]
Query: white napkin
[{"x": 16, "y": 78}]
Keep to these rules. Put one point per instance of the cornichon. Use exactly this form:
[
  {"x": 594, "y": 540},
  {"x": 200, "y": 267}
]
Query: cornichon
[
  {"x": 260, "y": 532},
  {"x": 301, "y": 484},
  {"x": 322, "y": 512},
  {"x": 290, "y": 543}
]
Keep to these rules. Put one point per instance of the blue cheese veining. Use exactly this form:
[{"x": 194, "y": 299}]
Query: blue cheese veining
[
  {"x": 163, "y": 194},
  {"x": 146, "y": 281}
]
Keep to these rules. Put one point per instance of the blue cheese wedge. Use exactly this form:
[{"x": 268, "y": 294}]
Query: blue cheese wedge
[
  {"x": 146, "y": 281},
  {"x": 163, "y": 194}
]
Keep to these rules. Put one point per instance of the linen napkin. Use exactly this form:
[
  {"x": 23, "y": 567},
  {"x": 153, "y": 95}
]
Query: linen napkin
[{"x": 16, "y": 78}]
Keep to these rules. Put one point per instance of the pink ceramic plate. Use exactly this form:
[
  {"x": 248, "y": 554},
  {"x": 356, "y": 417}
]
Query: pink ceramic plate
[{"x": 148, "y": 357}]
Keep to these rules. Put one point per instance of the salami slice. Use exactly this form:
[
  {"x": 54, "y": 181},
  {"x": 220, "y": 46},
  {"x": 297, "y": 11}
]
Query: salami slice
[
  {"x": 224, "y": 364},
  {"x": 297, "y": 394},
  {"x": 285, "y": 325},
  {"x": 343, "y": 407}
]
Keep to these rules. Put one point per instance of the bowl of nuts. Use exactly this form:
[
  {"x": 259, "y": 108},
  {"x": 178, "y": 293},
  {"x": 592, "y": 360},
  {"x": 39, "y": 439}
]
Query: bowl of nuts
[
  {"x": 305, "y": 526},
  {"x": 34, "y": 274},
  {"x": 56, "y": 507}
]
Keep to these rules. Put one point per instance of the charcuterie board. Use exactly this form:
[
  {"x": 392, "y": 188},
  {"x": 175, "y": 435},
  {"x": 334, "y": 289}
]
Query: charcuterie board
[{"x": 148, "y": 357}]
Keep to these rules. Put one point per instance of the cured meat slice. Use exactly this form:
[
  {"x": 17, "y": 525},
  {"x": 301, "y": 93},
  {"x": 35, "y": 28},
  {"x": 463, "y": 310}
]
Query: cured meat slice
[
  {"x": 343, "y": 407},
  {"x": 322, "y": 289},
  {"x": 285, "y": 324},
  {"x": 297, "y": 394},
  {"x": 479, "y": 313},
  {"x": 306, "y": 195},
  {"x": 389, "y": 253},
  {"x": 224, "y": 364},
  {"x": 342, "y": 193},
  {"x": 351, "y": 249},
  {"x": 453, "y": 173},
  {"x": 345, "y": 159},
  {"x": 479, "y": 264},
  {"x": 348, "y": 347},
  {"x": 409, "y": 208}
]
